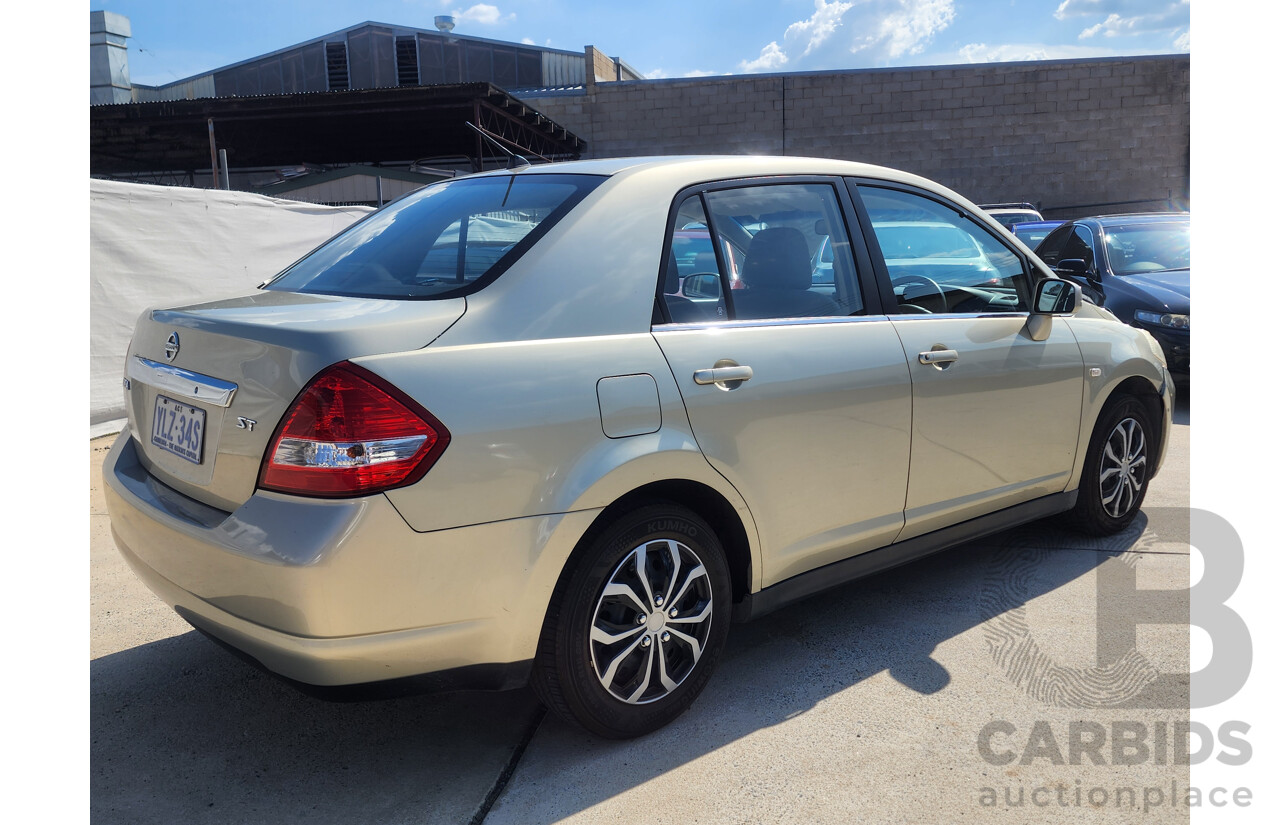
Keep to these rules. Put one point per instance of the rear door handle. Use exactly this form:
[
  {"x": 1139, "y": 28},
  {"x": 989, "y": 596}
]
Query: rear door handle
[
  {"x": 939, "y": 356},
  {"x": 723, "y": 375}
]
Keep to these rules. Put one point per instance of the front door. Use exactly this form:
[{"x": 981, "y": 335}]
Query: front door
[{"x": 995, "y": 415}]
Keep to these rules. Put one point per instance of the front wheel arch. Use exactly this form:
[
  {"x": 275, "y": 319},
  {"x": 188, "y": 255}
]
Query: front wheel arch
[{"x": 1140, "y": 388}]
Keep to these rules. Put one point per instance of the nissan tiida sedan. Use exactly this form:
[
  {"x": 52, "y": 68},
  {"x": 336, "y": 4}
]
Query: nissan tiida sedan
[{"x": 484, "y": 437}]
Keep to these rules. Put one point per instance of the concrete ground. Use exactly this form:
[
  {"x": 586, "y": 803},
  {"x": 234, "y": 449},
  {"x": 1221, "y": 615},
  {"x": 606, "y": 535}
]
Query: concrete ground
[{"x": 868, "y": 703}]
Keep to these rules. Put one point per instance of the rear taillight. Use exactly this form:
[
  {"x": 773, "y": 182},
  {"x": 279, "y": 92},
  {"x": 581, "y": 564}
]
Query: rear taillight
[{"x": 350, "y": 433}]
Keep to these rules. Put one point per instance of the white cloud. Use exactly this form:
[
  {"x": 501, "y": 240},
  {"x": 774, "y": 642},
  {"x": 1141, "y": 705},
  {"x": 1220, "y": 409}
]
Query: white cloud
[
  {"x": 771, "y": 58},
  {"x": 906, "y": 27},
  {"x": 1081, "y": 8},
  {"x": 1014, "y": 52},
  {"x": 1121, "y": 18},
  {"x": 483, "y": 14},
  {"x": 703, "y": 73},
  {"x": 528, "y": 41},
  {"x": 876, "y": 31},
  {"x": 815, "y": 31},
  {"x": 1109, "y": 27},
  {"x": 1182, "y": 41}
]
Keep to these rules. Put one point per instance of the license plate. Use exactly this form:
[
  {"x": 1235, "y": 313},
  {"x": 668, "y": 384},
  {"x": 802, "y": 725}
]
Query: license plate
[{"x": 178, "y": 428}]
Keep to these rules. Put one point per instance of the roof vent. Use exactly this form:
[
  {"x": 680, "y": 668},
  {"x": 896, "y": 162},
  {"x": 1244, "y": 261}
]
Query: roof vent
[{"x": 444, "y": 22}]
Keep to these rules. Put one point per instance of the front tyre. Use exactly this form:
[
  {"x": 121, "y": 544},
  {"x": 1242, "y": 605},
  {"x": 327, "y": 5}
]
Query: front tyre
[
  {"x": 1117, "y": 468},
  {"x": 634, "y": 631}
]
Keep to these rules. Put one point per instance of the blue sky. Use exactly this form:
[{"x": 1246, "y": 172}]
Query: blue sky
[{"x": 660, "y": 38}]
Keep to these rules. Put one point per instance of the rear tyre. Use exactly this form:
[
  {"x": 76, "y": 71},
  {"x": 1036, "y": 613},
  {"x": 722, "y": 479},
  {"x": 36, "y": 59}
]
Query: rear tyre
[
  {"x": 635, "y": 629},
  {"x": 1117, "y": 468}
]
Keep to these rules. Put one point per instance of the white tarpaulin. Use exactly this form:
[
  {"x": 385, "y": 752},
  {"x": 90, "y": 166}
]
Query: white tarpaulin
[{"x": 155, "y": 246}]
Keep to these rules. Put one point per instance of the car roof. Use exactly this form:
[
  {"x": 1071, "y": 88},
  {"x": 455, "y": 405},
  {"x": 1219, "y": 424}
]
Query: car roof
[
  {"x": 1137, "y": 218},
  {"x": 712, "y": 167},
  {"x": 1021, "y": 206}
]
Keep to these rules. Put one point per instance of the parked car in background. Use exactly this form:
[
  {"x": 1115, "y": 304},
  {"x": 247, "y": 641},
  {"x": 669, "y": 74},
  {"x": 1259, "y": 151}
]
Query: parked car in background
[
  {"x": 1010, "y": 213},
  {"x": 1033, "y": 232},
  {"x": 393, "y": 467},
  {"x": 1138, "y": 267}
]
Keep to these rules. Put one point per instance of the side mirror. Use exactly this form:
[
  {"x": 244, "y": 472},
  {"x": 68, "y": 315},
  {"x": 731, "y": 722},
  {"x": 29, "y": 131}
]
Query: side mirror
[
  {"x": 1057, "y": 297},
  {"x": 1053, "y": 297},
  {"x": 702, "y": 285}
]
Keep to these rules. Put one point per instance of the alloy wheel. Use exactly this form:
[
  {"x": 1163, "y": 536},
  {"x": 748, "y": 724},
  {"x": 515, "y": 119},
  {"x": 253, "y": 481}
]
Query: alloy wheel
[
  {"x": 652, "y": 621},
  {"x": 1124, "y": 467}
]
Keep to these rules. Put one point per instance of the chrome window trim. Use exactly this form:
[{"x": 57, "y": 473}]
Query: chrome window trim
[
  {"x": 739, "y": 323},
  {"x": 912, "y": 316},
  {"x": 184, "y": 383}
]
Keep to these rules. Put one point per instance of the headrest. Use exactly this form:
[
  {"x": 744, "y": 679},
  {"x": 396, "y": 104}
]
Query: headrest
[{"x": 778, "y": 258}]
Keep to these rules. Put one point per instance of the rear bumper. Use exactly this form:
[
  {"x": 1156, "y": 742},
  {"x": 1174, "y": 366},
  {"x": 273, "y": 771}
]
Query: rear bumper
[{"x": 331, "y": 593}]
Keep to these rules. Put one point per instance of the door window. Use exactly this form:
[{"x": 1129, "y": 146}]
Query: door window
[
  {"x": 761, "y": 252},
  {"x": 940, "y": 261}
]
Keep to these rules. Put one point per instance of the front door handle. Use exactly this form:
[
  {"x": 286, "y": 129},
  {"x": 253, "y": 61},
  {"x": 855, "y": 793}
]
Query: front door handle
[
  {"x": 939, "y": 356},
  {"x": 724, "y": 377}
]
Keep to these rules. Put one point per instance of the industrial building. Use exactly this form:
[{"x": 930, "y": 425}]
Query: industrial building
[
  {"x": 326, "y": 120},
  {"x": 356, "y": 116}
]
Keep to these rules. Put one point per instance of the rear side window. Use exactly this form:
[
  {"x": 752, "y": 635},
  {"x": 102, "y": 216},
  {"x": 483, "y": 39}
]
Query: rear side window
[
  {"x": 783, "y": 253},
  {"x": 442, "y": 241}
]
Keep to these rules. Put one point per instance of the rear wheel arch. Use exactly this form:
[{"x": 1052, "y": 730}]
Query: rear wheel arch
[
  {"x": 626, "y": 694},
  {"x": 706, "y": 502}
]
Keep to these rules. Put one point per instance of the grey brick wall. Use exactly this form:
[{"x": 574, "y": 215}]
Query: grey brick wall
[{"x": 1075, "y": 137}]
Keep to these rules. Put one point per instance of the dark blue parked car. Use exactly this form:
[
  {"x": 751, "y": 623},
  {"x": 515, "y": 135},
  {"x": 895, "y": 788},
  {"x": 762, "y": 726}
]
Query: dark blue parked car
[
  {"x": 1138, "y": 267},
  {"x": 1033, "y": 232}
]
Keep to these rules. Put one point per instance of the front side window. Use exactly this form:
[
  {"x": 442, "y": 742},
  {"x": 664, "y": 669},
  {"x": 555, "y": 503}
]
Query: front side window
[
  {"x": 442, "y": 241},
  {"x": 940, "y": 261}
]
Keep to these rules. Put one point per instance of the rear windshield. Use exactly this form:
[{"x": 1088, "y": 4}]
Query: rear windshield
[{"x": 445, "y": 240}]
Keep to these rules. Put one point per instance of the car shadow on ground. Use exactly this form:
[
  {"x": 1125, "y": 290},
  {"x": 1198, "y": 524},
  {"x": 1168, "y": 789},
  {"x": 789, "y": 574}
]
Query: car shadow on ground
[
  {"x": 182, "y": 731},
  {"x": 788, "y": 663}
]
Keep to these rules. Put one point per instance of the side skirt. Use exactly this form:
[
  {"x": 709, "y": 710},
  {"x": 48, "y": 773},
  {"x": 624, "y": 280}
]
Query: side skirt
[{"x": 866, "y": 564}]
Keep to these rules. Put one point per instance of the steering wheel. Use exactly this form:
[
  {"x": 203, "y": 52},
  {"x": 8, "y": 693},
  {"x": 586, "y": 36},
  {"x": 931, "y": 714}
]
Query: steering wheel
[{"x": 910, "y": 277}]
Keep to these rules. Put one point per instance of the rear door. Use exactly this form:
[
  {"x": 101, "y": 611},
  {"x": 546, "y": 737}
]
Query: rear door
[
  {"x": 801, "y": 399},
  {"x": 995, "y": 415}
]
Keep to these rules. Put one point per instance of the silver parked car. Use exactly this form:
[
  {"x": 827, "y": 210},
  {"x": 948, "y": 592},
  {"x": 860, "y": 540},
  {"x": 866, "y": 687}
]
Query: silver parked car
[{"x": 485, "y": 438}]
